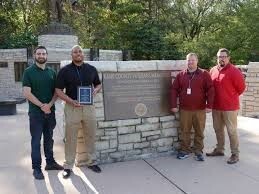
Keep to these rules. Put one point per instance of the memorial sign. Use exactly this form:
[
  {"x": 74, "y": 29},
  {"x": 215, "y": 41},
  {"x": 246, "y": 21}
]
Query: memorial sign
[{"x": 136, "y": 94}]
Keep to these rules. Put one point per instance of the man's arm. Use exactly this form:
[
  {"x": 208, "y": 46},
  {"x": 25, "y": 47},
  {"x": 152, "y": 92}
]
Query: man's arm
[
  {"x": 97, "y": 89},
  {"x": 29, "y": 96},
  {"x": 239, "y": 81},
  {"x": 174, "y": 94},
  {"x": 66, "y": 98},
  {"x": 96, "y": 82},
  {"x": 53, "y": 100},
  {"x": 47, "y": 107},
  {"x": 55, "y": 96},
  {"x": 210, "y": 91}
]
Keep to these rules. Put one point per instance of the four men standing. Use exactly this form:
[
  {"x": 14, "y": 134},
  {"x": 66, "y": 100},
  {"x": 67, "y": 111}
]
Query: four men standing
[{"x": 197, "y": 90}]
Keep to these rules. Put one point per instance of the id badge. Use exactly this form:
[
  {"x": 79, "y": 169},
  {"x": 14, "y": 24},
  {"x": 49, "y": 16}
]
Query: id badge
[{"x": 189, "y": 91}]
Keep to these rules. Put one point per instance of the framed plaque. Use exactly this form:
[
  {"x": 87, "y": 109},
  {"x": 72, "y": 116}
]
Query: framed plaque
[{"x": 85, "y": 95}]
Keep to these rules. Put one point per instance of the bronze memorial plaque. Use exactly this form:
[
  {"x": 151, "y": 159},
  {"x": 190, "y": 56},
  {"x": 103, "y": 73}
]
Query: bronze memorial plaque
[{"x": 136, "y": 94}]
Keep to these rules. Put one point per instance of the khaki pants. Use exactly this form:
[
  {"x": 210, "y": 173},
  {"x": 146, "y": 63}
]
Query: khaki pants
[
  {"x": 76, "y": 118},
  {"x": 228, "y": 119},
  {"x": 189, "y": 119}
]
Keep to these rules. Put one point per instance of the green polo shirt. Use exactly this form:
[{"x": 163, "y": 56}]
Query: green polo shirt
[{"x": 42, "y": 84}]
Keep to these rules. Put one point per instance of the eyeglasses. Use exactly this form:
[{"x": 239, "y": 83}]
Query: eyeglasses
[
  {"x": 43, "y": 54},
  {"x": 222, "y": 57}
]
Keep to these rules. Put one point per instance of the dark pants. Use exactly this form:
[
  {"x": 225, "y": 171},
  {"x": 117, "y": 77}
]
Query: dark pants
[{"x": 41, "y": 123}]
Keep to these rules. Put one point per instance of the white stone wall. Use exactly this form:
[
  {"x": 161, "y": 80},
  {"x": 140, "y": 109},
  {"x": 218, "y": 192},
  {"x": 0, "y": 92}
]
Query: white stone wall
[
  {"x": 121, "y": 140},
  {"x": 250, "y": 99},
  {"x": 19, "y": 55},
  {"x": 57, "y": 54},
  {"x": 8, "y": 86},
  {"x": 127, "y": 66},
  {"x": 55, "y": 41},
  {"x": 109, "y": 55},
  {"x": 59, "y": 48}
]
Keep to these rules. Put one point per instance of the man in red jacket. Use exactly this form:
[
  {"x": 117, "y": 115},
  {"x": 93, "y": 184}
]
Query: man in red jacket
[
  {"x": 195, "y": 91},
  {"x": 229, "y": 84}
]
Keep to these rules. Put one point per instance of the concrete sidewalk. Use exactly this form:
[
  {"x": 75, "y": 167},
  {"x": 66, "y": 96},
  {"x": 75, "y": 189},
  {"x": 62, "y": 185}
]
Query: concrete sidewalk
[{"x": 164, "y": 175}]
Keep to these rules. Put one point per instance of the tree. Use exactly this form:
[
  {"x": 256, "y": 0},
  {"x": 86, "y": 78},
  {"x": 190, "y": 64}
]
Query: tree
[{"x": 151, "y": 29}]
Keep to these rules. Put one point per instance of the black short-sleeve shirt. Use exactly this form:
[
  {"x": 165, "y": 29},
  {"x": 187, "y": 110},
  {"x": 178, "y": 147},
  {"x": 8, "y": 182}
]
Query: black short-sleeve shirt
[{"x": 71, "y": 76}]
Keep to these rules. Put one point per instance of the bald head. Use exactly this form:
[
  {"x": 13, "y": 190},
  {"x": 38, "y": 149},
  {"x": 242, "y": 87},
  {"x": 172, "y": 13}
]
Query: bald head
[
  {"x": 77, "y": 55},
  {"x": 76, "y": 47}
]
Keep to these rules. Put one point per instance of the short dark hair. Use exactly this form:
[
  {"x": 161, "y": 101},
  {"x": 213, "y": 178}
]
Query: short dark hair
[
  {"x": 224, "y": 50},
  {"x": 40, "y": 47}
]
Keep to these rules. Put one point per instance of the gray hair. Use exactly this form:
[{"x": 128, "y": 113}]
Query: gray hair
[{"x": 192, "y": 54}]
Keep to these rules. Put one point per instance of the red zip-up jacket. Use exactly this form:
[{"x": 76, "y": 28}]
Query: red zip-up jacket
[
  {"x": 202, "y": 91},
  {"x": 229, "y": 83}
]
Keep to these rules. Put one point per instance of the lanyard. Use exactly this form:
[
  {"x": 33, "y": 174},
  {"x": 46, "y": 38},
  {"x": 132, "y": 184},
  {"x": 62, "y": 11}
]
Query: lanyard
[
  {"x": 79, "y": 76},
  {"x": 191, "y": 79}
]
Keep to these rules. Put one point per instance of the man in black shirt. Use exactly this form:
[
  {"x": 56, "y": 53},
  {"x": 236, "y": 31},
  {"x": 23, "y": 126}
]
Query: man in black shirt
[{"x": 78, "y": 116}]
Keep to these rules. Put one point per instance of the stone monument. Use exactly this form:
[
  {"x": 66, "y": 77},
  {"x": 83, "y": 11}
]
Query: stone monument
[
  {"x": 55, "y": 9},
  {"x": 56, "y": 36}
]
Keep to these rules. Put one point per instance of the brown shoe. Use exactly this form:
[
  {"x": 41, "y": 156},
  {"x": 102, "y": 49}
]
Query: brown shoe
[
  {"x": 233, "y": 159},
  {"x": 215, "y": 153}
]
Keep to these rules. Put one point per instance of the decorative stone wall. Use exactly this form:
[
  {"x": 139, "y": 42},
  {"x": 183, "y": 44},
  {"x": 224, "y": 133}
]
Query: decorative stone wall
[
  {"x": 59, "y": 48},
  {"x": 55, "y": 41},
  {"x": 120, "y": 140},
  {"x": 250, "y": 105},
  {"x": 8, "y": 86},
  {"x": 109, "y": 55},
  {"x": 55, "y": 55}
]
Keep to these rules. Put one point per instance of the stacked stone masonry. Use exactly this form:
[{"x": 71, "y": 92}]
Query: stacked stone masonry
[
  {"x": 120, "y": 140},
  {"x": 8, "y": 87},
  {"x": 250, "y": 99}
]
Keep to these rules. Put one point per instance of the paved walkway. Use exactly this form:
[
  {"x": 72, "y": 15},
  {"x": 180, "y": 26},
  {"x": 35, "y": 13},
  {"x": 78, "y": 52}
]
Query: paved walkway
[{"x": 164, "y": 175}]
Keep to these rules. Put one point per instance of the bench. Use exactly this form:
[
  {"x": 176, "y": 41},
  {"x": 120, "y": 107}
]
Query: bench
[{"x": 8, "y": 105}]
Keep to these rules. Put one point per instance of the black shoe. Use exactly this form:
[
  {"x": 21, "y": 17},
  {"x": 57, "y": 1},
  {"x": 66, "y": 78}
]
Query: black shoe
[
  {"x": 95, "y": 168},
  {"x": 66, "y": 173},
  {"x": 37, "y": 173},
  {"x": 54, "y": 166}
]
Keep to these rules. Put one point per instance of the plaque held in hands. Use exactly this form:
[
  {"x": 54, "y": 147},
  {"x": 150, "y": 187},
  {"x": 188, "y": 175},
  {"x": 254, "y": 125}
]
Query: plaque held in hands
[{"x": 85, "y": 95}]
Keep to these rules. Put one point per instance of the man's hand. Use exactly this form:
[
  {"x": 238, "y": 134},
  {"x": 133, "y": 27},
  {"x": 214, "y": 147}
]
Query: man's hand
[
  {"x": 95, "y": 91},
  {"x": 175, "y": 110},
  {"x": 45, "y": 108},
  {"x": 208, "y": 110},
  {"x": 76, "y": 104}
]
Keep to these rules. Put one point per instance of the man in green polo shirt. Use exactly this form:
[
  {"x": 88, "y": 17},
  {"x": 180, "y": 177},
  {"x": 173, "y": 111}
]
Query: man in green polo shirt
[{"x": 39, "y": 90}]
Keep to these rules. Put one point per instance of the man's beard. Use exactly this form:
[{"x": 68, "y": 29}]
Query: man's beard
[
  {"x": 41, "y": 61},
  {"x": 78, "y": 60},
  {"x": 222, "y": 64}
]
